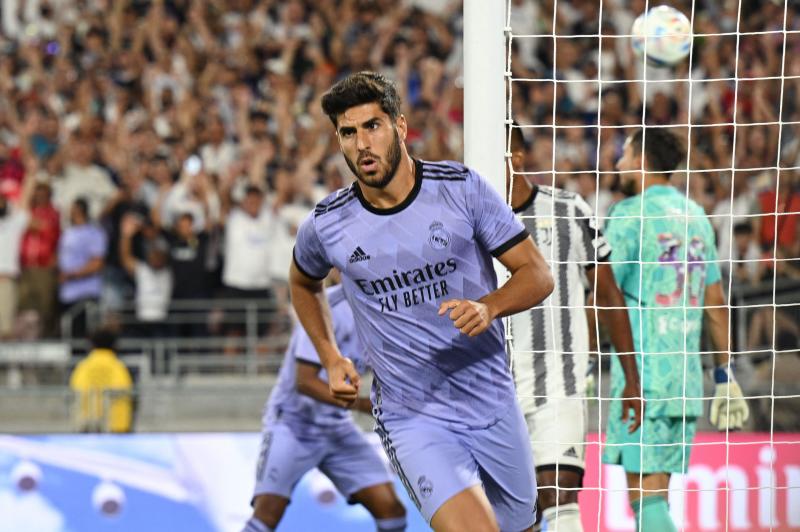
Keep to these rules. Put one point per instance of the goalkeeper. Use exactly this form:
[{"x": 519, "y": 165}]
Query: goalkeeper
[{"x": 665, "y": 260}]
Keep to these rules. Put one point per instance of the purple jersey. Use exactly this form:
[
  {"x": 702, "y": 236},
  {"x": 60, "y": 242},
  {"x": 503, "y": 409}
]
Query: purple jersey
[
  {"x": 308, "y": 417},
  {"x": 398, "y": 265}
]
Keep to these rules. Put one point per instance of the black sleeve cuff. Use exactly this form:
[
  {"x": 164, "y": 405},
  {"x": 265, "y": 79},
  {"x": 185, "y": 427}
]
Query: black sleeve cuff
[
  {"x": 510, "y": 243},
  {"x": 303, "y": 270}
]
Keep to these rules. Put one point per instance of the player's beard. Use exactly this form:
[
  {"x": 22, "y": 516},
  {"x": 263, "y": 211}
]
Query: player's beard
[{"x": 386, "y": 170}]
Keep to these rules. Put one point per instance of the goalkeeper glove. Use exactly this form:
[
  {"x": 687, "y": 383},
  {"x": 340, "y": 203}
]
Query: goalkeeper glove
[{"x": 729, "y": 410}]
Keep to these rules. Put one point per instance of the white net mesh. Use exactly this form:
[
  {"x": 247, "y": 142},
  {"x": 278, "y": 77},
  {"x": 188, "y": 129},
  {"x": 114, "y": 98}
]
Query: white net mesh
[{"x": 576, "y": 91}]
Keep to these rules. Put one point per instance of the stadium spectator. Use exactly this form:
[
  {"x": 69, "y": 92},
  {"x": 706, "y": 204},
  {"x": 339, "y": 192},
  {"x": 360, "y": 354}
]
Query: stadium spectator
[
  {"x": 136, "y": 195},
  {"x": 81, "y": 257},
  {"x": 745, "y": 262},
  {"x": 102, "y": 385},
  {"x": 152, "y": 277},
  {"x": 82, "y": 178},
  {"x": 12, "y": 172},
  {"x": 13, "y": 222},
  {"x": 189, "y": 260},
  {"x": 191, "y": 264},
  {"x": 248, "y": 247},
  {"x": 39, "y": 254}
]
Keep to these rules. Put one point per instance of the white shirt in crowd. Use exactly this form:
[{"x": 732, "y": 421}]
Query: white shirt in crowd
[
  {"x": 249, "y": 249},
  {"x": 153, "y": 292},
  {"x": 180, "y": 200},
  {"x": 90, "y": 182},
  {"x": 217, "y": 158},
  {"x": 12, "y": 227}
]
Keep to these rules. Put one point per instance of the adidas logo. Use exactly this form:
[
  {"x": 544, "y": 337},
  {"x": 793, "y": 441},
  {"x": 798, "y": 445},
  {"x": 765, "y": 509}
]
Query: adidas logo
[
  {"x": 358, "y": 255},
  {"x": 571, "y": 452}
]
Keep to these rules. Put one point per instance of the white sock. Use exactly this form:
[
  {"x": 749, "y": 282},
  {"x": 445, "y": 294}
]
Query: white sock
[
  {"x": 255, "y": 525},
  {"x": 391, "y": 524},
  {"x": 563, "y": 518}
]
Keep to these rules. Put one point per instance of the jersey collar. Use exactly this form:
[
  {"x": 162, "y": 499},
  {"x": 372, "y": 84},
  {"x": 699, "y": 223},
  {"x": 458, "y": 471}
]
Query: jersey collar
[
  {"x": 528, "y": 202},
  {"x": 400, "y": 206}
]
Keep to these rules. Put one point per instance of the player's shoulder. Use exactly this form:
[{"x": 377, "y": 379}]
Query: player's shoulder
[
  {"x": 630, "y": 206},
  {"x": 335, "y": 200},
  {"x": 694, "y": 208},
  {"x": 546, "y": 193},
  {"x": 445, "y": 171}
]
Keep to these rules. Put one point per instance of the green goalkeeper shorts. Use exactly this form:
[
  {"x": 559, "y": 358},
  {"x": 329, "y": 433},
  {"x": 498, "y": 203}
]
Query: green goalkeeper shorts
[{"x": 659, "y": 445}]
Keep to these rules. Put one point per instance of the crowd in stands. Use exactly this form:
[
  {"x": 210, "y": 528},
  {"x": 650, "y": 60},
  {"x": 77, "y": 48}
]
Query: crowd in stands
[
  {"x": 162, "y": 150},
  {"x": 154, "y": 151}
]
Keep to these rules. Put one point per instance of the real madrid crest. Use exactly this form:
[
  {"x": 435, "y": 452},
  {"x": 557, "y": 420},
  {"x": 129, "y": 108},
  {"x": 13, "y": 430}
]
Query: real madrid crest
[{"x": 439, "y": 237}]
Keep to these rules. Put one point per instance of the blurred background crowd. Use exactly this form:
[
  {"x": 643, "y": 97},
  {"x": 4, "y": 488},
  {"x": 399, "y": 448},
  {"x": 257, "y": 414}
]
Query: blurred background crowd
[
  {"x": 154, "y": 152},
  {"x": 159, "y": 151}
]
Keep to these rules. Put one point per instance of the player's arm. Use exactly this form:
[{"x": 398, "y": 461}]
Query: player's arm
[
  {"x": 308, "y": 383},
  {"x": 313, "y": 311},
  {"x": 530, "y": 283},
  {"x": 729, "y": 410},
  {"x": 613, "y": 314}
]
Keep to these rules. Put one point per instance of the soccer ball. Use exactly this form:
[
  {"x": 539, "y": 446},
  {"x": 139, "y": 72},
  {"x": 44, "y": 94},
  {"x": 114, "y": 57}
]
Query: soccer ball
[{"x": 667, "y": 32}]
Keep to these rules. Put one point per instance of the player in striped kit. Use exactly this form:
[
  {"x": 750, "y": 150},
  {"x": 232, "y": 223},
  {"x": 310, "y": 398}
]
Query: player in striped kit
[
  {"x": 550, "y": 342},
  {"x": 664, "y": 257}
]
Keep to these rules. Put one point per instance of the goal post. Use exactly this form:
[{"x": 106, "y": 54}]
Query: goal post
[{"x": 484, "y": 89}]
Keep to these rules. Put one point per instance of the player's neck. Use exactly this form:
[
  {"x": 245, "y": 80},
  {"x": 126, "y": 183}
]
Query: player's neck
[
  {"x": 397, "y": 190},
  {"x": 652, "y": 180},
  {"x": 521, "y": 192}
]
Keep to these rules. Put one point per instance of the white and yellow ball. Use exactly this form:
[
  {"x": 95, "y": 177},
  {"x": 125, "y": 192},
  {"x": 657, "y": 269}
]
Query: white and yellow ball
[{"x": 664, "y": 34}]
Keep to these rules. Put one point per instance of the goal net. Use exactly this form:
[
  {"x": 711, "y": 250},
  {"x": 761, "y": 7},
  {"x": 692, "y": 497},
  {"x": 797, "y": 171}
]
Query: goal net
[{"x": 575, "y": 90}]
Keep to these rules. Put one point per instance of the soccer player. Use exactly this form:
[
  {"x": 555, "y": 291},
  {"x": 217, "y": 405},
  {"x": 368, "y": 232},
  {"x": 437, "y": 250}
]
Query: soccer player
[
  {"x": 550, "y": 353},
  {"x": 306, "y": 427},
  {"x": 665, "y": 260},
  {"x": 414, "y": 242}
]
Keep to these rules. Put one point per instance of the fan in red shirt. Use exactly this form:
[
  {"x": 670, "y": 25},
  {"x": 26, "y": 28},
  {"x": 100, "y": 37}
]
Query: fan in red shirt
[
  {"x": 12, "y": 172},
  {"x": 788, "y": 209},
  {"x": 38, "y": 283}
]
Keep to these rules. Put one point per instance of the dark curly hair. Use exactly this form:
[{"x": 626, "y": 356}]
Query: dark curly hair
[
  {"x": 663, "y": 150},
  {"x": 358, "y": 89}
]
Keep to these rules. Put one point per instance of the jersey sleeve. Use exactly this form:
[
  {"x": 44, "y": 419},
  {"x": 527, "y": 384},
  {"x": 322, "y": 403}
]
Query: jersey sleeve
[
  {"x": 304, "y": 350},
  {"x": 590, "y": 246},
  {"x": 496, "y": 227},
  {"x": 623, "y": 236},
  {"x": 713, "y": 272},
  {"x": 309, "y": 254}
]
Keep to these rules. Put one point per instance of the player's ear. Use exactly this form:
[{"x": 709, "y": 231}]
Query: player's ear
[
  {"x": 517, "y": 159},
  {"x": 402, "y": 126}
]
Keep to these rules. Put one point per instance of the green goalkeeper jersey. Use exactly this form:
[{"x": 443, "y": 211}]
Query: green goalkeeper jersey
[{"x": 662, "y": 268}]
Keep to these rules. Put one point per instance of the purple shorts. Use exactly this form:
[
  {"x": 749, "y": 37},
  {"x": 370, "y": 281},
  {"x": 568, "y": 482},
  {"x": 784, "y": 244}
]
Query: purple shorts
[
  {"x": 344, "y": 456},
  {"x": 436, "y": 461}
]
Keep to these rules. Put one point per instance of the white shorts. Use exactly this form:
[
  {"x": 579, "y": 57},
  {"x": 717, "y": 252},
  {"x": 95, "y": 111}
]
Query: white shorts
[{"x": 557, "y": 430}]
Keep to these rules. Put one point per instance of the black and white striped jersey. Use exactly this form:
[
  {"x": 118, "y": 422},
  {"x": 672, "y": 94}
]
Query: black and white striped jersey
[{"x": 550, "y": 342}]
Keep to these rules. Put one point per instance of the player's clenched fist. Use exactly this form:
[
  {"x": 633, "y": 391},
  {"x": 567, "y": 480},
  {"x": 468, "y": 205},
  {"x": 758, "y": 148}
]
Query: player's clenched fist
[
  {"x": 343, "y": 379},
  {"x": 469, "y": 317}
]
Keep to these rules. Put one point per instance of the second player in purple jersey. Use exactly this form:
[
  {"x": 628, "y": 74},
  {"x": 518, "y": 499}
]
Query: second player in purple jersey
[
  {"x": 305, "y": 427},
  {"x": 303, "y": 414},
  {"x": 414, "y": 241}
]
